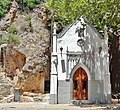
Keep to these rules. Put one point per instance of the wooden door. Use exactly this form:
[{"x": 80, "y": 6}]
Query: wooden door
[{"x": 80, "y": 85}]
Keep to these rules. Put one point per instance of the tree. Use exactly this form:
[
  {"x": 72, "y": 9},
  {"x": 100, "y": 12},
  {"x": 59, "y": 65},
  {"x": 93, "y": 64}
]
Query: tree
[{"x": 99, "y": 13}]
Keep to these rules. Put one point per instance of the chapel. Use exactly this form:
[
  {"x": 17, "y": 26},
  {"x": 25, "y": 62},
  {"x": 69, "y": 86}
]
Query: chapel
[{"x": 79, "y": 65}]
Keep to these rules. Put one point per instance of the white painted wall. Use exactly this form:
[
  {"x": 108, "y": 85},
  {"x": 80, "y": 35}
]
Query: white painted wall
[
  {"x": 69, "y": 40},
  {"x": 92, "y": 43},
  {"x": 99, "y": 88}
]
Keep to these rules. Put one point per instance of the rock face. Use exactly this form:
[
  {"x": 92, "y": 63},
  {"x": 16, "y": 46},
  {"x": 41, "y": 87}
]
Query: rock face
[
  {"x": 14, "y": 60},
  {"x": 34, "y": 41},
  {"x": 5, "y": 86},
  {"x": 34, "y": 47},
  {"x": 33, "y": 35},
  {"x": 10, "y": 16},
  {"x": 31, "y": 83},
  {"x": 33, "y": 52}
]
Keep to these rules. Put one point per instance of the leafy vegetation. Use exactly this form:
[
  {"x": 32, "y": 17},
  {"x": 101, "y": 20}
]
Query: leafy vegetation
[
  {"x": 12, "y": 29},
  {"x": 104, "y": 13},
  {"x": 3, "y": 7},
  {"x": 99, "y": 13},
  {"x": 27, "y": 26},
  {"x": 11, "y": 37},
  {"x": 23, "y": 4},
  {"x": 29, "y": 3}
]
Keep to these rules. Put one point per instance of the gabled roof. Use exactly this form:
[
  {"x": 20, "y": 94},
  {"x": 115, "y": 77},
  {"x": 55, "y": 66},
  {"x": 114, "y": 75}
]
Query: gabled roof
[{"x": 62, "y": 33}]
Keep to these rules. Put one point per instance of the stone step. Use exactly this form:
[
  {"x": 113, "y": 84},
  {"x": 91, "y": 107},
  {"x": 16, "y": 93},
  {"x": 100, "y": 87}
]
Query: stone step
[
  {"x": 79, "y": 102},
  {"x": 46, "y": 98}
]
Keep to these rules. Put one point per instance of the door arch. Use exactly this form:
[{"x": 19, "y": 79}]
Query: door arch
[{"x": 80, "y": 84}]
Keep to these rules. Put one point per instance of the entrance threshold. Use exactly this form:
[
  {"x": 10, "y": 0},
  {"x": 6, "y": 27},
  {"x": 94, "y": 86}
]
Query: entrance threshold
[{"x": 79, "y": 102}]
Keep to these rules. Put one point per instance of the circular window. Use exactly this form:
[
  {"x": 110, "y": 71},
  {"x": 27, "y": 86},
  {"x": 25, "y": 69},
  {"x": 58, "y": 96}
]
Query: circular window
[{"x": 80, "y": 42}]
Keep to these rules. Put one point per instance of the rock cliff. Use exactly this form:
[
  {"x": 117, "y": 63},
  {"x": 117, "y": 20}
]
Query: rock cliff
[
  {"x": 34, "y": 42},
  {"x": 33, "y": 35}
]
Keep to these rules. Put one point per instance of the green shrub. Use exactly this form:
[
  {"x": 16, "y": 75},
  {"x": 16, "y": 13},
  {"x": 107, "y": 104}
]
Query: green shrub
[
  {"x": 12, "y": 29},
  {"x": 29, "y": 3},
  {"x": 3, "y": 7},
  {"x": 12, "y": 39},
  {"x": 26, "y": 25},
  {"x": 9, "y": 38}
]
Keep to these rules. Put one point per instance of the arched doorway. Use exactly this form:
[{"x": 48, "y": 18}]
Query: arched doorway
[{"x": 80, "y": 85}]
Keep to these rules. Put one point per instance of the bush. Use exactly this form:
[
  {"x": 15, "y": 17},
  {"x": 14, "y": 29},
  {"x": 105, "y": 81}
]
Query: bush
[
  {"x": 29, "y": 3},
  {"x": 27, "y": 26},
  {"x": 12, "y": 29},
  {"x": 12, "y": 39},
  {"x": 3, "y": 7}
]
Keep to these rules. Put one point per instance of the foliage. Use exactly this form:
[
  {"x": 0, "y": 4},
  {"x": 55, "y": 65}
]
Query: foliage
[
  {"x": 65, "y": 11},
  {"x": 29, "y": 3},
  {"x": 11, "y": 37},
  {"x": 99, "y": 13},
  {"x": 3, "y": 7},
  {"x": 12, "y": 29},
  {"x": 23, "y": 4},
  {"x": 27, "y": 26},
  {"x": 103, "y": 13}
]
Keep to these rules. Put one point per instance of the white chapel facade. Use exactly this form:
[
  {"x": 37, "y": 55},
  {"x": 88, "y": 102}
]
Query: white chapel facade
[{"x": 79, "y": 65}]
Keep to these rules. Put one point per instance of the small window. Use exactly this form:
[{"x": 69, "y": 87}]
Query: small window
[
  {"x": 63, "y": 65},
  {"x": 75, "y": 85}
]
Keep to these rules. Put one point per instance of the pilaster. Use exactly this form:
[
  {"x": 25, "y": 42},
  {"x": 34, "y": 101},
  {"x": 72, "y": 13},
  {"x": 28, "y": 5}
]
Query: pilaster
[{"x": 54, "y": 73}]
